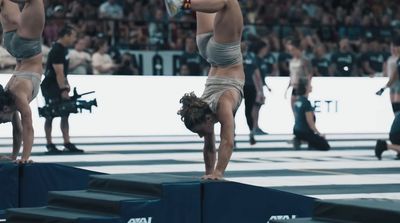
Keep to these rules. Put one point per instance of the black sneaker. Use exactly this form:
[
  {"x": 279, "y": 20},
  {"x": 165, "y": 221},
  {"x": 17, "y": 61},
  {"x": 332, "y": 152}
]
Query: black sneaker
[
  {"x": 69, "y": 147},
  {"x": 380, "y": 147},
  {"x": 252, "y": 139},
  {"x": 296, "y": 143},
  {"x": 52, "y": 149}
]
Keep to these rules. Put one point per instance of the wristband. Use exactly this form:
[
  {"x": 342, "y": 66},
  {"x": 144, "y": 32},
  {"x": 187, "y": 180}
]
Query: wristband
[{"x": 186, "y": 4}]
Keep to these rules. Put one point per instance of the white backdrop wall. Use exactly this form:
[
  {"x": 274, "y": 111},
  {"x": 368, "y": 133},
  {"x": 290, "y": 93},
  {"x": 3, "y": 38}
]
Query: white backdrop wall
[{"x": 147, "y": 105}]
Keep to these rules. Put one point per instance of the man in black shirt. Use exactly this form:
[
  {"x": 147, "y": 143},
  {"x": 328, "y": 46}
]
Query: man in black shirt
[
  {"x": 192, "y": 59},
  {"x": 373, "y": 60},
  {"x": 344, "y": 61},
  {"x": 267, "y": 62},
  {"x": 320, "y": 63},
  {"x": 55, "y": 86},
  {"x": 253, "y": 91}
]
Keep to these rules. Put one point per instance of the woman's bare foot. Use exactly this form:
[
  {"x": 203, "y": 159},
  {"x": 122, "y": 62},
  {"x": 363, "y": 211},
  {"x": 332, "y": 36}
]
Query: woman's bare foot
[
  {"x": 23, "y": 161},
  {"x": 213, "y": 176}
]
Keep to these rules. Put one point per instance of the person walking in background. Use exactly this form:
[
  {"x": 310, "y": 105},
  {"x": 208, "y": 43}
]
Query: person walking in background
[{"x": 253, "y": 91}]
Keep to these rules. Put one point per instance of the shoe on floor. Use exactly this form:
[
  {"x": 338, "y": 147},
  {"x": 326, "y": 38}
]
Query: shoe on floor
[
  {"x": 252, "y": 139},
  {"x": 296, "y": 143},
  {"x": 380, "y": 147},
  {"x": 52, "y": 149},
  {"x": 69, "y": 147}
]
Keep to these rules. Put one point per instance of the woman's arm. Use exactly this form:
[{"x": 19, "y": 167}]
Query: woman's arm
[
  {"x": 27, "y": 127},
  {"x": 17, "y": 135},
  {"x": 392, "y": 77},
  {"x": 225, "y": 116},
  {"x": 311, "y": 122},
  {"x": 209, "y": 153}
]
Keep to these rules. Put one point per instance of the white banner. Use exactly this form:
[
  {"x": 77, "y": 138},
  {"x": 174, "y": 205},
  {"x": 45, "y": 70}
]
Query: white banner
[{"x": 147, "y": 105}]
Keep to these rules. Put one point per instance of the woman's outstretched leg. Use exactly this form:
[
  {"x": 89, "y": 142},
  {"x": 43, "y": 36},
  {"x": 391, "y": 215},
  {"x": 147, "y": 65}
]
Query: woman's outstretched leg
[{"x": 32, "y": 19}]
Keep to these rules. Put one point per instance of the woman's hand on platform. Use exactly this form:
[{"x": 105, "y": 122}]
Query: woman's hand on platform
[{"x": 23, "y": 161}]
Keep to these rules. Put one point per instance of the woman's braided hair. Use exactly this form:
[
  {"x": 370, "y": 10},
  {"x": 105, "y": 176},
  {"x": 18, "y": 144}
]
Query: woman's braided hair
[
  {"x": 193, "y": 110},
  {"x": 6, "y": 98}
]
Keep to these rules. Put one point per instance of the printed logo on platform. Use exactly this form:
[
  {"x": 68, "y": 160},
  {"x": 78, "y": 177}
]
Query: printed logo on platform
[
  {"x": 281, "y": 217},
  {"x": 140, "y": 220}
]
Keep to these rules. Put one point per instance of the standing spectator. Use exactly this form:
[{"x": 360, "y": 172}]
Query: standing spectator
[
  {"x": 253, "y": 91},
  {"x": 111, "y": 9},
  {"x": 55, "y": 87},
  {"x": 320, "y": 63},
  {"x": 102, "y": 62},
  {"x": 373, "y": 60},
  {"x": 191, "y": 58},
  {"x": 344, "y": 62},
  {"x": 79, "y": 60}
]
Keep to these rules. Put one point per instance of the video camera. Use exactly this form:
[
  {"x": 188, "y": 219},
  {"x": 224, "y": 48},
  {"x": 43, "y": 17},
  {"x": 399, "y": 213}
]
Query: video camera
[{"x": 60, "y": 108}]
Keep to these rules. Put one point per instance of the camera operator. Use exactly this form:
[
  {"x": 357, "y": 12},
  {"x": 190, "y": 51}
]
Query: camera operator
[{"x": 55, "y": 86}]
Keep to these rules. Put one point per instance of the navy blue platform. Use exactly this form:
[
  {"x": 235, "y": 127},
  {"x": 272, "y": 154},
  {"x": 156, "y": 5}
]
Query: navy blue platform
[
  {"x": 352, "y": 211},
  {"x": 147, "y": 198},
  {"x": 28, "y": 185}
]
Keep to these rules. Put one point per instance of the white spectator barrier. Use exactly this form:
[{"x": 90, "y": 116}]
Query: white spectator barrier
[{"x": 148, "y": 105}]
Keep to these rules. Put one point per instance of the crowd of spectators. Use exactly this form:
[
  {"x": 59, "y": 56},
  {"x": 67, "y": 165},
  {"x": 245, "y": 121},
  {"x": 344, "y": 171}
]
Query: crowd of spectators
[{"x": 360, "y": 29}]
